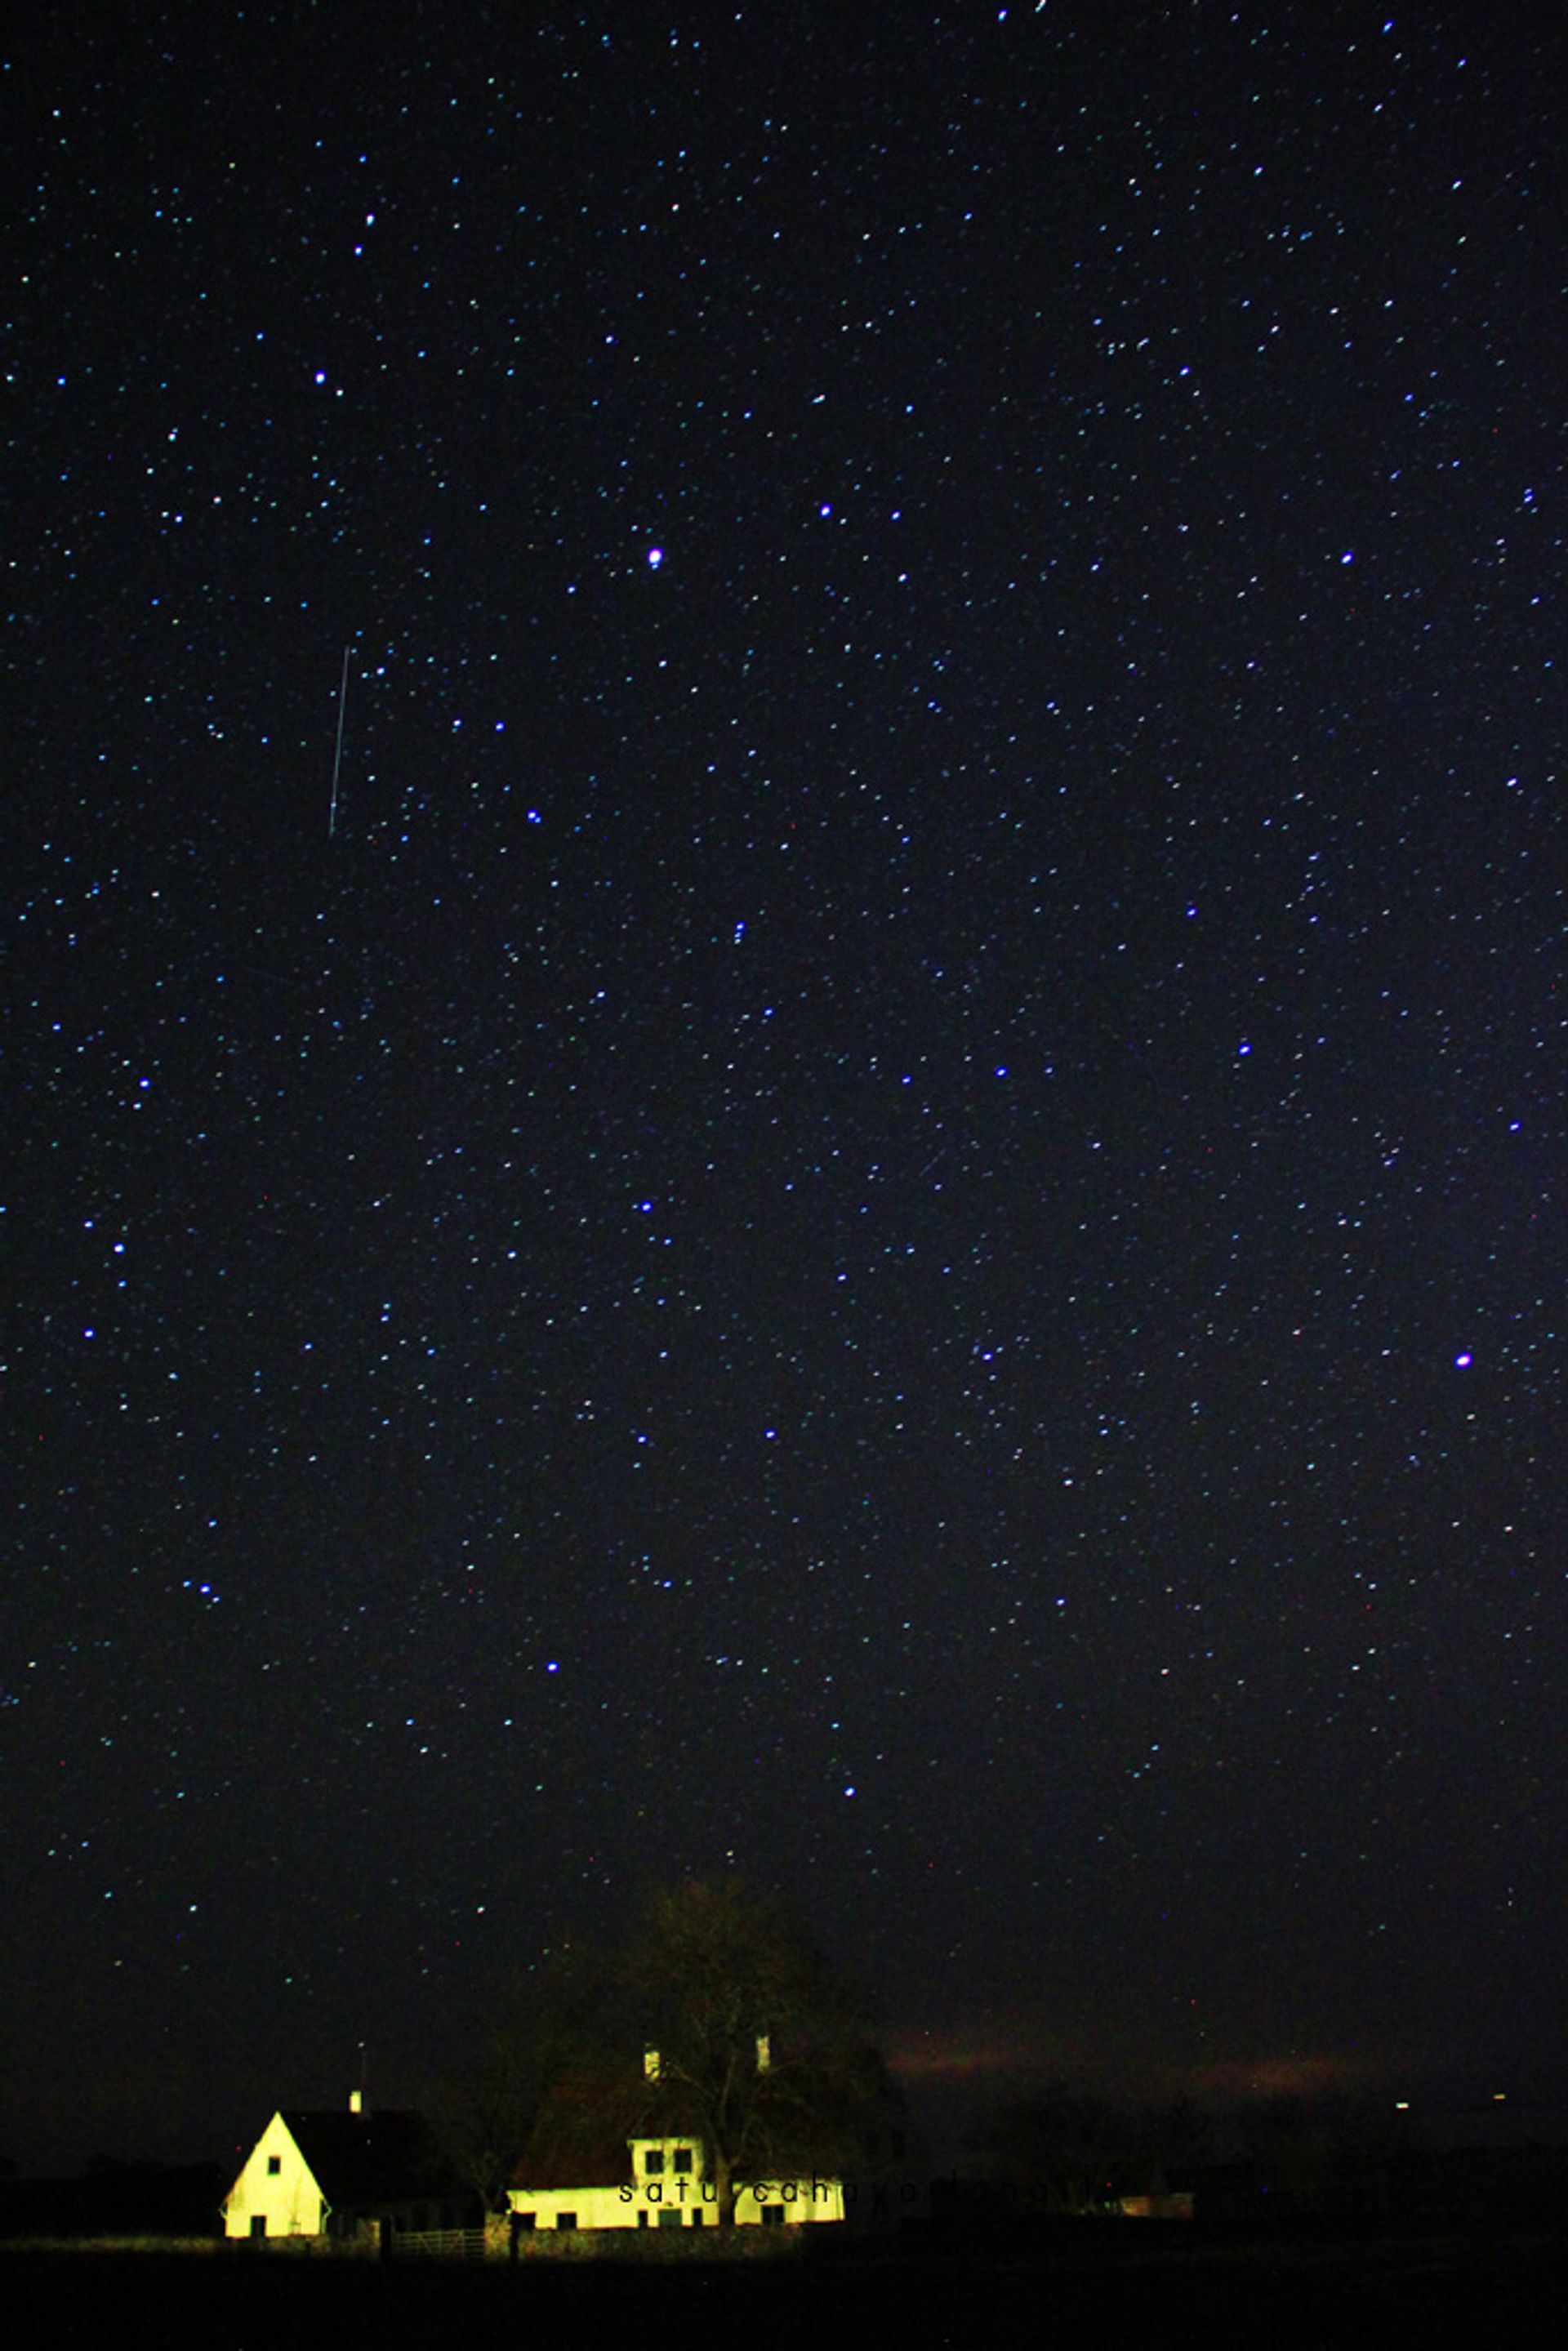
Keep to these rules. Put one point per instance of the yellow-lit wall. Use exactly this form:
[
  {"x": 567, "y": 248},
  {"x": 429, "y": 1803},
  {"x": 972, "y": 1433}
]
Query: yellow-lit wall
[
  {"x": 288, "y": 2200},
  {"x": 692, "y": 2194}
]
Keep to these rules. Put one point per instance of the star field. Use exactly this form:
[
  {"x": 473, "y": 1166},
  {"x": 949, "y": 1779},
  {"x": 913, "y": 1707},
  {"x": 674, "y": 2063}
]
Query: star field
[{"x": 884, "y": 1199}]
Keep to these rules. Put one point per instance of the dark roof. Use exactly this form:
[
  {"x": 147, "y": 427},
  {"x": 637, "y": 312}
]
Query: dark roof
[
  {"x": 579, "y": 2137},
  {"x": 369, "y": 2160},
  {"x": 609, "y": 2166}
]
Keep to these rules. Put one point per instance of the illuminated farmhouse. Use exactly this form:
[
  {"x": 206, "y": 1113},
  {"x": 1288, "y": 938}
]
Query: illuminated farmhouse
[
  {"x": 345, "y": 2176},
  {"x": 668, "y": 2182},
  {"x": 669, "y": 2186}
]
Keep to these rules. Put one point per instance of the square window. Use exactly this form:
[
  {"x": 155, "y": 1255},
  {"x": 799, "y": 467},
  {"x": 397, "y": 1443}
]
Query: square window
[
  {"x": 273, "y": 2166},
  {"x": 683, "y": 2159},
  {"x": 566, "y": 2219},
  {"x": 653, "y": 2161}
]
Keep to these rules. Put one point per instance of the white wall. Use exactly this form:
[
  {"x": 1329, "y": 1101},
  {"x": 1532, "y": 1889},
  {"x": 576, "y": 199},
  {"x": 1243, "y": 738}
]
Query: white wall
[
  {"x": 288, "y": 2199},
  {"x": 691, "y": 2194}
]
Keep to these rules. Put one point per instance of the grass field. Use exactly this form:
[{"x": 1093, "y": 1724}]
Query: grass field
[{"x": 1102, "y": 2288}]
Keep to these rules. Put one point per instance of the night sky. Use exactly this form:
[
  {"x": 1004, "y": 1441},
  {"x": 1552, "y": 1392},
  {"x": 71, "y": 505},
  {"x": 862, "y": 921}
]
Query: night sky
[{"x": 873, "y": 1192}]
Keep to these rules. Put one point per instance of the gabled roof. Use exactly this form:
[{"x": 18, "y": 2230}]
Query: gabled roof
[
  {"x": 371, "y": 2160},
  {"x": 583, "y": 2131},
  {"x": 554, "y": 2168}
]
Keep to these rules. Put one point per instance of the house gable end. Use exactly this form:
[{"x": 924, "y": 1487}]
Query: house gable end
[{"x": 276, "y": 2193}]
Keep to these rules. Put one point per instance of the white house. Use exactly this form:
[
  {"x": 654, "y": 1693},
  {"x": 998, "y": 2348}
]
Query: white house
[
  {"x": 669, "y": 2182},
  {"x": 669, "y": 2185},
  {"x": 345, "y": 2174}
]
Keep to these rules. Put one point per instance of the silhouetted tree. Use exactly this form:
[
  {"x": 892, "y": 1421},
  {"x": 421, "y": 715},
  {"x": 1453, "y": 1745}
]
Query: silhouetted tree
[
  {"x": 1179, "y": 2137},
  {"x": 1328, "y": 2156},
  {"x": 1071, "y": 2149},
  {"x": 1076, "y": 2152},
  {"x": 763, "y": 2052},
  {"x": 762, "y": 2047}
]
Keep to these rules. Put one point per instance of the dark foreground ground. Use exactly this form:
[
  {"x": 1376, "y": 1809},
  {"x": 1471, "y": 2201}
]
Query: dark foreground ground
[{"x": 1175, "y": 2288}]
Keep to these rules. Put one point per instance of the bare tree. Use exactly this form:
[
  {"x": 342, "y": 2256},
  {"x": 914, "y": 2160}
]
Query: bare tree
[
  {"x": 718, "y": 2018},
  {"x": 1067, "y": 2146},
  {"x": 762, "y": 2048}
]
